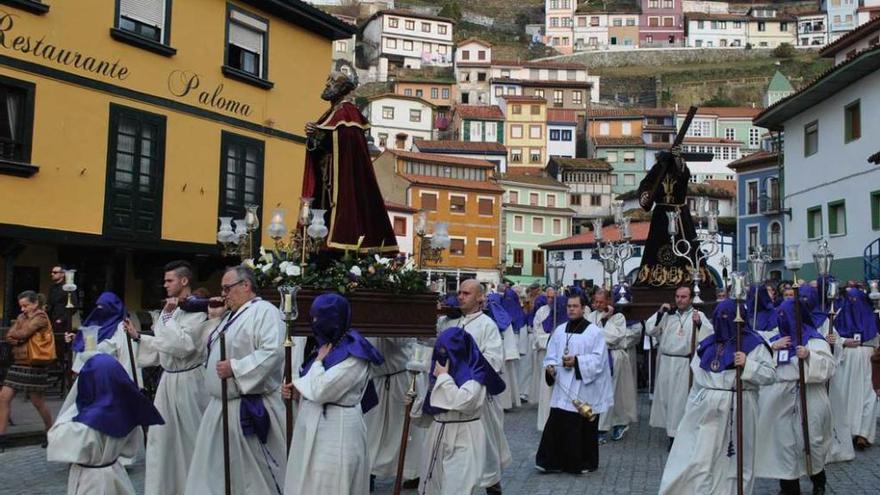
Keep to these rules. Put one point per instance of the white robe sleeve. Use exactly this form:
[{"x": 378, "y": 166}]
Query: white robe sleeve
[
  {"x": 820, "y": 364},
  {"x": 553, "y": 350},
  {"x": 759, "y": 368},
  {"x": 593, "y": 362},
  {"x": 330, "y": 386},
  {"x": 250, "y": 371},
  {"x": 178, "y": 337},
  {"x": 147, "y": 353},
  {"x": 615, "y": 330},
  {"x": 493, "y": 348},
  {"x": 466, "y": 399},
  {"x": 655, "y": 330}
]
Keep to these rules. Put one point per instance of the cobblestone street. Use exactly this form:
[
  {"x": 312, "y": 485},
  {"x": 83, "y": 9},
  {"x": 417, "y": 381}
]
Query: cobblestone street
[{"x": 633, "y": 465}]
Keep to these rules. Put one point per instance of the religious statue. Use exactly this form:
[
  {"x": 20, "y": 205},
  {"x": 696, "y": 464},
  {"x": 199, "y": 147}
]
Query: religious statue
[
  {"x": 339, "y": 174},
  {"x": 665, "y": 189}
]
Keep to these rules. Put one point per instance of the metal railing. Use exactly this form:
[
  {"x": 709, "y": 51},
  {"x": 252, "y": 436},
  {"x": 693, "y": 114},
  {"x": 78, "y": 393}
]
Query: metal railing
[{"x": 771, "y": 205}]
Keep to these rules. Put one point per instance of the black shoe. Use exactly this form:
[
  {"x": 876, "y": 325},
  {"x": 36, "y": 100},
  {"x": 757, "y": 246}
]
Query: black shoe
[
  {"x": 670, "y": 441},
  {"x": 4, "y": 442},
  {"x": 494, "y": 489},
  {"x": 372, "y": 483},
  {"x": 411, "y": 484}
]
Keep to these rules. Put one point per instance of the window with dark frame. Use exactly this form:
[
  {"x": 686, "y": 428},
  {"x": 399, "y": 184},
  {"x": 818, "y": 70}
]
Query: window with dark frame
[
  {"x": 484, "y": 249},
  {"x": 135, "y": 174},
  {"x": 811, "y": 138},
  {"x": 485, "y": 206},
  {"x": 399, "y": 226},
  {"x": 247, "y": 43},
  {"x": 837, "y": 217},
  {"x": 852, "y": 121},
  {"x": 517, "y": 257},
  {"x": 145, "y": 18},
  {"x": 16, "y": 120},
  {"x": 457, "y": 203},
  {"x": 575, "y": 200},
  {"x": 241, "y": 179},
  {"x": 456, "y": 247},
  {"x": 429, "y": 201}
]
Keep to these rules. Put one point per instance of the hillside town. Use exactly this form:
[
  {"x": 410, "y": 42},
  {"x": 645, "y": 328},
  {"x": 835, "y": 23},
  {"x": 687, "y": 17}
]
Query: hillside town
[{"x": 452, "y": 247}]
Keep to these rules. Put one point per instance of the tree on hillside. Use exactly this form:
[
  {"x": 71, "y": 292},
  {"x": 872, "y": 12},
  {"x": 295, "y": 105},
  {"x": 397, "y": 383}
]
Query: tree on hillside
[
  {"x": 452, "y": 10},
  {"x": 784, "y": 50}
]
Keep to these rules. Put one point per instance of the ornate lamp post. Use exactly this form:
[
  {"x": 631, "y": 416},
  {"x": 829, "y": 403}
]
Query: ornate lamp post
[
  {"x": 874, "y": 294},
  {"x": 290, "y": 312},
  {"x": 614, "y": 255},
  {"x": 708, "y": 244},
  {"x": 239, "y": 242},
  {"x": 556, "y": 269},
  {"x": 823, "y": 258},
  {"x": 757, "y": 265},
  {"x": 431, "y": 246}
]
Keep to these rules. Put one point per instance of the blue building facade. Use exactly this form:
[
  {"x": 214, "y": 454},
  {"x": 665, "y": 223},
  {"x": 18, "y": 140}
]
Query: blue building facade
[{"x": 759, "y": 211}]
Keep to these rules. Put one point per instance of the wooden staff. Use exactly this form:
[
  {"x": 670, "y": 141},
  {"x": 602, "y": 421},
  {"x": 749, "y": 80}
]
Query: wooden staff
[
  {"x": 401, "y": 458},
  {"x": 693, "y": 350},
  {"x": 224, "y": 397},
  {"x": 134, "y": 374},
  {"x": 805, "y": 424},
  {"x": 288, "y": 378},
  {"x": 739, "y": 404}
]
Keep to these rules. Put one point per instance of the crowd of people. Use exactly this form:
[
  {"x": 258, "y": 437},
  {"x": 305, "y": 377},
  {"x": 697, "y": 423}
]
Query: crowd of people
[{"x": 572, "y": 351}]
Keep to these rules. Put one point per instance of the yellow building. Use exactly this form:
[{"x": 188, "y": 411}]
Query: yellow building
[
  {"x": 130, "y": 126},
  {"x": 769, "y": 28},
  {"x": 456, "y": 190},
  {"x": 525, "y": 128}
]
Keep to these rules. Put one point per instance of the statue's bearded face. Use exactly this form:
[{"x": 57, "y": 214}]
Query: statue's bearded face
[{"x": 331, "y": 90}]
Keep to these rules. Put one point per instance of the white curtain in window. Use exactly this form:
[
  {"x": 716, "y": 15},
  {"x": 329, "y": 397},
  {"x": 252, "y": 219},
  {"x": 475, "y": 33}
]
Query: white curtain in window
[
  {"x": 150, "y": 12},
  {"x": 12, "y": 108}
]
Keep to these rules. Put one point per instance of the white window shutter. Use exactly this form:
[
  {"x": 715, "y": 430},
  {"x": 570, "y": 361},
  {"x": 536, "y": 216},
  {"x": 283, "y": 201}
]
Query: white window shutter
[
  {"x": 253, "y": 22},
  {"x": 150, "y": 12},
  {"x": 246, "y": 38}
]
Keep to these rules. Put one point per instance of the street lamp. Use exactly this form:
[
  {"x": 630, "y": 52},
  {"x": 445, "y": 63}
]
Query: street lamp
[
  {"x": 757, "y": 265},
  {"x": 823, "y": 257},
  {"x": 556, "y": 269}
]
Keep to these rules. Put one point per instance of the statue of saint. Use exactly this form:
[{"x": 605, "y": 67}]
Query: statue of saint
[
  {"x": 339, "y": 174},
  {"x": 665, "y": 189}
]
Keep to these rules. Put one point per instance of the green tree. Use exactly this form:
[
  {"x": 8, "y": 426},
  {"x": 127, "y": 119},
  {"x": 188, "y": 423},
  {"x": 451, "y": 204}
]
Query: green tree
[
  {"x": 784, "y": 50},
  {"x": 452, "y": 10}
]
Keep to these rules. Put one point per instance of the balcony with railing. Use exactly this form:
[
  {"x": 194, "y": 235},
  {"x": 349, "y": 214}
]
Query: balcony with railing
[
  {"x": 771, "y": 205},
  {"x": 776, "y": 251}
]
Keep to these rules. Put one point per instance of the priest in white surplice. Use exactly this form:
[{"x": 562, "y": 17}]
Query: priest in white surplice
[
  {"x": 455, "y": 448},
  {"x": 178, "y": 345},
  {"x": 485, "y": 333},
  {"x": 780, "y": 453},
  {"x": 329, "y": 448},
  {"x": 674, "y": 331},
  {"x": 103, "y": 425},
  {"x": 253, "y": 368},
  {"x": 851, "y": 388},
  {"x": 704, "y": 456},
  {"x": 577, "y": 366},
  {"x": 617, "y": 337}
]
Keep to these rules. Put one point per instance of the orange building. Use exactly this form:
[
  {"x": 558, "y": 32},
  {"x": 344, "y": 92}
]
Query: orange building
[
  {"x": 615, "y": 122},
  {"x": 459, "y": 191}
]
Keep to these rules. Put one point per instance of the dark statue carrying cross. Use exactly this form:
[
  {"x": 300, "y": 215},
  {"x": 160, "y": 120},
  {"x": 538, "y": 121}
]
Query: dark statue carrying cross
[{"x": 665, "y": 189}]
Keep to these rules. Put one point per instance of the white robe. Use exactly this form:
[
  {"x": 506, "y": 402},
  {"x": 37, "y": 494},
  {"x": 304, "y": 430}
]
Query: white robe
[
  {"x": 454, "y": 451},
  {"x": 594, "y": 386},
  {"x": 178, "y": 345},
  {"x": 698, "y": 462},
  {"x": 510, "y": 397},
  {"x": 76, "y": 443},
  {"x": 673, "y": 366},
  {"x": 385, "y": 421},
  {"x": 526, "y": 366},
  {"x": 329, "y": 453},
  {"x": 617, "y": 337},
  {"x": 841, "y": 440},
  {"x": 254, "y": 344},
  {"x": 485, "y": 332},
  {"x": 780, "y": 452},
  {"x": 540, "y": 390},
  {"x": 852, "y": 393}
]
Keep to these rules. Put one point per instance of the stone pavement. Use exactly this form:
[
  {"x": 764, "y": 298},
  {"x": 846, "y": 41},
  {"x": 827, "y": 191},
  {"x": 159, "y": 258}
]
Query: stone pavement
[
  {"x": 27, "y": 427},
  {"x": 631, "y": 466}
]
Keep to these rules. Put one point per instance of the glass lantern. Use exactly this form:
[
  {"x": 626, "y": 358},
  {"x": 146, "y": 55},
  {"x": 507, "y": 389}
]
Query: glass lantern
[
  {"x": 823, "y": 257},
  {"x": 317, "y": 229},
  {"x": 597, "y": 229},
  {"x": 672, "y": 218},
  {"x": 305, "y": 210},
  {"x": 225, "y": 235},
  {"x": 287, "y": 304},
  {"x": 792, "y": 258},
  {"x": 251, "y": 217},
  {"x": 277, "y": 228}
]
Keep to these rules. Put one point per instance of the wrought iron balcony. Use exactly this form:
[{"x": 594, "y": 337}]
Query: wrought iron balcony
[{"x": 771, "y": 205}]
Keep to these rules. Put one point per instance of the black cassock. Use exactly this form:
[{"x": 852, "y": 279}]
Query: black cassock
[{"x": 665, "y": 189}]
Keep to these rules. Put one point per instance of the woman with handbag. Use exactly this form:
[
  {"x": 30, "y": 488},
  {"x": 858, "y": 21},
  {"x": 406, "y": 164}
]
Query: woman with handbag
[{"x": 33, "y": 350}]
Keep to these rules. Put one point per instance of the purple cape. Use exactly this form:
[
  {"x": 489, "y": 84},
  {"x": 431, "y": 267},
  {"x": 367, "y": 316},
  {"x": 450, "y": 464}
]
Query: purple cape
[
  {"x": 721, "y": 345},
  {"x": 561, "y": 314},
  {"x": 465, "y": 362},
  {"x": 766, "y": 320},
  {"x": 856, "y": 316},
  {"x": 109, "y": 312},
  {"x": 107, "y": 399},
  {"x": 539, "y": 301},
  {"x": 511, "y": 304},
  {"x": 331, "y": 320},
  {"x": 786, "y": 316},
  {"x": 496, "y": 311}
]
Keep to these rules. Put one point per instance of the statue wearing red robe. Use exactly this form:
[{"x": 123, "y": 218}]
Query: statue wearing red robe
[{"x": 339, "y": 176}]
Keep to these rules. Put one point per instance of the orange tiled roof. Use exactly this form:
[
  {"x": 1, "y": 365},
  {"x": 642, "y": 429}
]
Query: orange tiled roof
[
  {"x": 441, "y": 159},
  {"x": 758, "y": 157},
  {"x": 479, "y": 112},
  {"x": 452, "y": 146},
  {"x": 444, "y": 182},
  {"x": 728, "y": 112},
  {"x": 639, "y": 232},
  {"x": 726, "y": 185},
  {"x": 619, "y": 141},
  {"x": 636, "y": 112},
  {"x": 562, "y": 115}
]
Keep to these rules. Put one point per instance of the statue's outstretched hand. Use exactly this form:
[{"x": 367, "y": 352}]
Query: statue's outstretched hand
[{"x": 311, "y": 127}]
